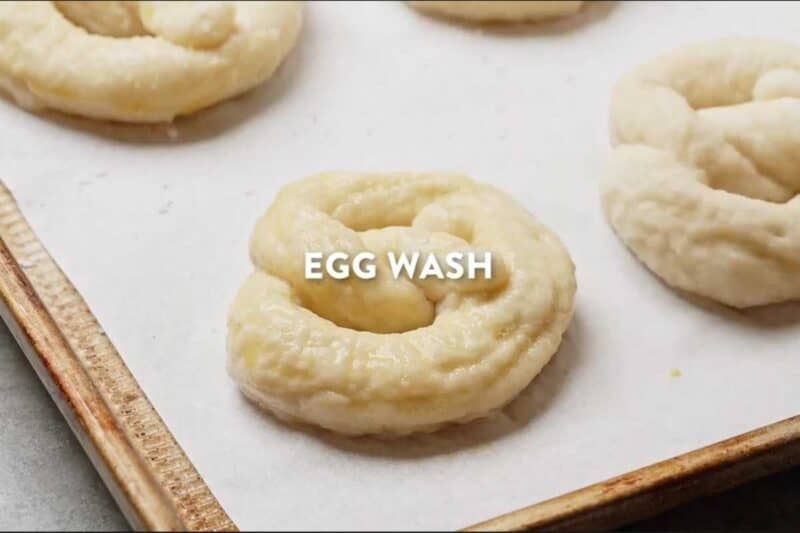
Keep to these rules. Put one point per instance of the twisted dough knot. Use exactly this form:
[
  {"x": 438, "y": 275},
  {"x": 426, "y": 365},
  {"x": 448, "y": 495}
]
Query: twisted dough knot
[
  {"x": 498, "y": 10},
  {"x": 191, "y": 24},
  {"x": 396, "y": 356},
  {"x": 703, "y": 184},
  {"x": 140, "y": 61}
]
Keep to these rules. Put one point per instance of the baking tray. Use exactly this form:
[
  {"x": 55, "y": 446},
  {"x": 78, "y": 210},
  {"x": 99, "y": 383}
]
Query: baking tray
[
  {"x": 147, "y": 472},
  {"x": 151, "y": 226},
  {"x": 157, "y": 487}
]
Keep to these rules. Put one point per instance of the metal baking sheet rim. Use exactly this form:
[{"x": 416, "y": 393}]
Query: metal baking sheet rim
[{"x": 151, "y": 500}]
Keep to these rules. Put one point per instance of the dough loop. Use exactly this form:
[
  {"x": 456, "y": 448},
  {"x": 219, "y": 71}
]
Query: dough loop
[
  {"x": 703, "y": 183},
  {"x": 140, "y": 61},
  {"x": 500, "y": 11},
  {"x": 399, "y": 355}
]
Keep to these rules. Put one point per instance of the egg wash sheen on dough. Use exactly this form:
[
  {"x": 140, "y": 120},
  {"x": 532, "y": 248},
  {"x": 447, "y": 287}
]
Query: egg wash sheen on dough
[{"x": 414, "y": 265}]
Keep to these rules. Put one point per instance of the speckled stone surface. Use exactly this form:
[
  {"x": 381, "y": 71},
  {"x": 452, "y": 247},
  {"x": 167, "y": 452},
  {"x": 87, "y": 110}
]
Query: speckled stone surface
[
  {"x": 48, "y": 483},
  {"x": 46, "y": 480}
]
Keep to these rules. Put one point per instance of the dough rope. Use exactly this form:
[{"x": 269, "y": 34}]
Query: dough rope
[
  {"x": 142, "y": 61},
  {"x": 703, "y": 183},
  {"x": 500, "y": 11},
  {"x": 396, "y": 356}
]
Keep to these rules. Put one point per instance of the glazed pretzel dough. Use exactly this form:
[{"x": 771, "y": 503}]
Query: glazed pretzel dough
[
  {"x": 500, "y": 11},
  {"x": 143, "y": 61},
  {"x": 703, "y": 185},
  {"x": 396, "y": 356}
]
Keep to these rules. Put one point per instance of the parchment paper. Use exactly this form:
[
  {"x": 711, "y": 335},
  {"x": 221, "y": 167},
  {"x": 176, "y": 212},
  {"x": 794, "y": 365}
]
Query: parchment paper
[{"x": 152, "y": 224}]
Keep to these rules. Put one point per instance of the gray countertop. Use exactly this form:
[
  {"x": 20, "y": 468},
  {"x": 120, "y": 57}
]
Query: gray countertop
[{"x": 47, "y": 482}]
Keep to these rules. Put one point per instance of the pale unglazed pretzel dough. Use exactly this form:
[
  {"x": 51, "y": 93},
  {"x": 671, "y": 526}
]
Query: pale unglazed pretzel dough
[
  {"x": 500, "y": 11},
  {"x": 142, "y": 61},
  {"x": 703, "y": 183},
  {"x": 388, "y": 356}
]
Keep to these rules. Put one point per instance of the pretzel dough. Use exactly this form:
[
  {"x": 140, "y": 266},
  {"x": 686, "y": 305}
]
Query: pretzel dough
[
  {"x": 142, "y": 61},
  {"x": 703, "y": 184},
  {"x": 396, "y": 356},
  {"x": 500, "y": 11}
]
